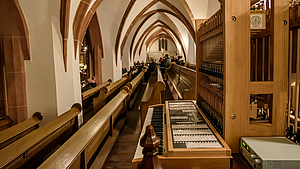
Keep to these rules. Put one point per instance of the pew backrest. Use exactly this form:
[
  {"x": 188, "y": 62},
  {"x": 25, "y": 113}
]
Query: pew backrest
[
  {"x": 30, "y": 150},
  {"x": 19, "y": 130},
  {"x": 115, "y": 86},
  {"x": 94, "y": 90},
  {"x": 135, "y": 82},
  {"x": 154, "y": 86},
  {"x": 79, "y": 149},
  {"x": 152, "y": 94},
  {"x": 5, "y": 122},
  {"x": 183, "y": 81},
  {"x": 192, "y": 66}
]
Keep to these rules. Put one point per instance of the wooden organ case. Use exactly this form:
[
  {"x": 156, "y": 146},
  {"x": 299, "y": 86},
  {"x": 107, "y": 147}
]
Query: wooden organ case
[
  {"x": 188, "y": 139},
  {"x": 237, "y": 65}
]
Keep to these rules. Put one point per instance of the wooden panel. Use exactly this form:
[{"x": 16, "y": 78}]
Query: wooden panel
[
  {"x": 261, "y": 87},
  {"x": 95, "y": 143},
  {"x": 191, "y": 163},
  {"x": 260, "y": 129},
  {"x": 236, "y": 70},
  {"x": 281, "y": 37}
]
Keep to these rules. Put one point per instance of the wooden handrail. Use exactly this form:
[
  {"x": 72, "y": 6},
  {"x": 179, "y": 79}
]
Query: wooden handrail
[
  {"x": 28, "y": 147},
  {"x": 19, "y": 130},
  {"x": 94, "y": 90},
  {"x": 77, "y": 150}
]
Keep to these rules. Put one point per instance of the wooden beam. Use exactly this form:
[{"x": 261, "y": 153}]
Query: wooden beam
[
  {"x": 261, "y": 88},
  {"x": 281, "y": 48},
  {"x": 237, "y": 67}
]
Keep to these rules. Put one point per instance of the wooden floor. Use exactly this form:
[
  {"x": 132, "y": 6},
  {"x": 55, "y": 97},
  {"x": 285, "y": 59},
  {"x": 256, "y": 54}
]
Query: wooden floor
[
  {"x": 124, "y": 147},
  {"x": 123, "y": 150}
]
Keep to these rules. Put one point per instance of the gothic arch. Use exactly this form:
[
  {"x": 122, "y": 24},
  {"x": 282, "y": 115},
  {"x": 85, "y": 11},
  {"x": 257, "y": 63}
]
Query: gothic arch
[
  {"x": 177, "y": 14},
  {"x": 169, "y": 20},
  {"x": 151, "y": 13},
  {"x": 159, "y": 37},
  {"x": 166, "y": 27}
]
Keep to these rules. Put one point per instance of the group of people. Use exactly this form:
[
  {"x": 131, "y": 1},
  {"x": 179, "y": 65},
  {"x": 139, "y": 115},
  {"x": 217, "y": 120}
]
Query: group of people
[
  {"x": 163, "y": 63},
  {"x": 137, "y": 65},
  {"x": 88, "y": 84},
  {"x": 178, "y": 60}
]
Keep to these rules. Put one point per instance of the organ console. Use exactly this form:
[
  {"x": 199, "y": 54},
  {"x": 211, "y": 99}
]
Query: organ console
[{"x": 187, "y": 137}]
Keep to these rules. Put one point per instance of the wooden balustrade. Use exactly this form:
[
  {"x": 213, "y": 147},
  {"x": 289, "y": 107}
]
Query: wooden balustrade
[
  {"x": 30, "y": 150},
  {"x": 19, "y": 130},
  {"x": 77, "y": 151},
  {"x": 183, "y": 81},
  {"x": 152, "y": 93}
]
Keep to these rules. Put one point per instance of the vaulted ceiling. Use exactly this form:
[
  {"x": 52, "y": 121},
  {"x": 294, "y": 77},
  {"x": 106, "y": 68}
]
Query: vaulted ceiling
[
  {"x": 143, "y": 18},
  {"x": 134, "y": 23}
]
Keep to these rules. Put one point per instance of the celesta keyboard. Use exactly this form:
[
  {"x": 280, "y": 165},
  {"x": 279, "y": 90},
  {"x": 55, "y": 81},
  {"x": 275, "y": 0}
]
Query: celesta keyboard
[{"x": 186, "y": 134}]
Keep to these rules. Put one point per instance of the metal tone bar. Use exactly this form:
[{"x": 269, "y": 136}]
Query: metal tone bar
[
  {"x": 256, "y": 53},
  {"x": 269, "y": 60},
  {"x": 5, "y": 92},
  {"x": 263, "y": 59},
  {"x": 290, "y": 79},
  {"x": 297, "y": 85}
]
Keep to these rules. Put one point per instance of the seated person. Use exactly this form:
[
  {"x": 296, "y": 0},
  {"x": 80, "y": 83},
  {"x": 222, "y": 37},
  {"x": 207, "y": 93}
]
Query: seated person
[
  {"x": 93, "y": 82},
  {"x": 124, "y": 70},
  {"x": 165, "y": 64},
  {"x": 180, "y": 61},
  {"x": 151, "y": 69},
  {"x": 87, "y": 86},
  {"x": 173, "y": 59}
]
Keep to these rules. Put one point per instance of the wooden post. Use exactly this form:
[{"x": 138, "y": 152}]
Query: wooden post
[
  {"x": 281, "y": 41},
  {"x": 237, "y": 67},
  {"x": 150, "y": 141}
]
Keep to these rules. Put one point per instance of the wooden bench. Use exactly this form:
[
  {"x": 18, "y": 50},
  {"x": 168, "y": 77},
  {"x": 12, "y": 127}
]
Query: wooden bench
[
  {"x": 31, "y": 150},
  {"x": 132, "y": 87},
  {"x": 115, "y": 86},
  {"x": 192, "y": 66},
  {"x": 107, "y": 93},
  {"x": 135, "y": 82},
  {"x": 79, "y": 149},
  {"x": 19, "y": 130},
  {"x": 5, "y": 122},
  {"x": 183, "y": 81},
  {"x": 152, "y": 93},
  {"x": 88, "y": 95}
]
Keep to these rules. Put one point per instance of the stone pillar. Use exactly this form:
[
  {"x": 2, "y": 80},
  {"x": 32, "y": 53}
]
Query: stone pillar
[
  {"x": 15, "y": 78},
  {"x": 98, "y": 65}
]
